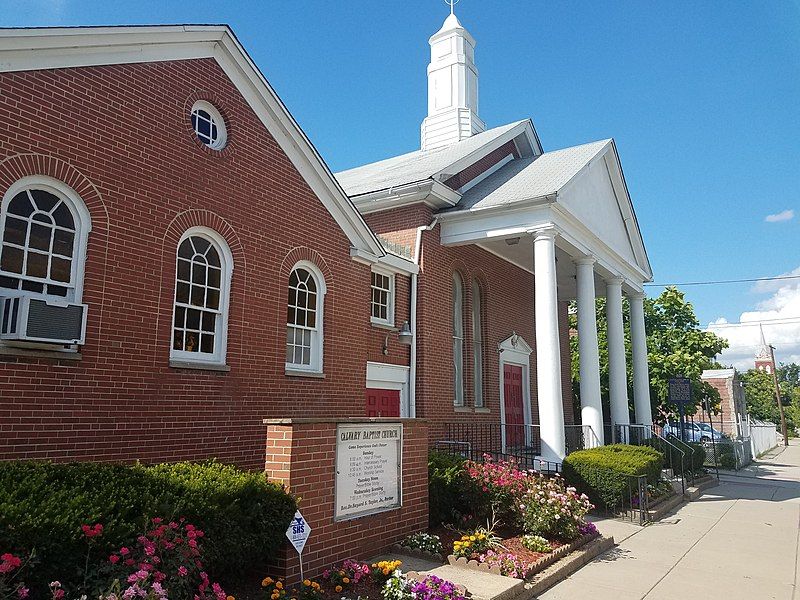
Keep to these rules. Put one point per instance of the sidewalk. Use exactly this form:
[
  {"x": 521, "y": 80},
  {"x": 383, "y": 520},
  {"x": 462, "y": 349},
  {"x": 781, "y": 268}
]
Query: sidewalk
[{"x": 738, "y": 541}]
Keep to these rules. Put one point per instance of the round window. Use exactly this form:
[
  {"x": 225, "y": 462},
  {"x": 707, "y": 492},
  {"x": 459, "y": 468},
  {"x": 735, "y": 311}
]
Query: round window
[{"x": 208, "y": 125}]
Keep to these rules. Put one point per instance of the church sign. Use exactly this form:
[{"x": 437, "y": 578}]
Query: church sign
[{"x": 368, "y": 469}]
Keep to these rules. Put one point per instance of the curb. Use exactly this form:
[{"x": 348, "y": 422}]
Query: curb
[{"x": 563, "y": 569}]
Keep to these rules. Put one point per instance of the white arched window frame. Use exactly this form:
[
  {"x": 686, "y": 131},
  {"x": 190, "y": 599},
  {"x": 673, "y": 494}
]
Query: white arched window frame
[
  {"x": 213, "y": 317},
  {"x": 477, "y": 343},
  {"x": 45, "y": 286},
  {"x": 209, "y": 125},
  {"x": 305, "y": 318},
  {"x": 458, "y": 340}
]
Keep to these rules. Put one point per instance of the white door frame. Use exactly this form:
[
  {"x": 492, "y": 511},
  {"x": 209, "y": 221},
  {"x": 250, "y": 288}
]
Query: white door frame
[
  {"x": 515, "y": 351},
  {"x": 385, "y": 376}
]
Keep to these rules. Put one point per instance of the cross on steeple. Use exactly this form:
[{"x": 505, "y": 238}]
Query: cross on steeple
[{"x": 452, "y": 3}]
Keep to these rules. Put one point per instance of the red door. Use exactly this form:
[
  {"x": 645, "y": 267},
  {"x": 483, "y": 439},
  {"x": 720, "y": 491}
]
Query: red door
[
  {"x": 514, "y": 415},
  {"x": 383, "y": 403}
]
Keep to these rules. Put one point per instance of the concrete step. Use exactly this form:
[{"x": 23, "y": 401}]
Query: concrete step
[{"x": 481, "y": 585}]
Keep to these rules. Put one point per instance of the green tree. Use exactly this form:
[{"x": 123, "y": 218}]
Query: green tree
[
  {"x": 677, "y": 347},
  {"x": 760, "y": 395}
]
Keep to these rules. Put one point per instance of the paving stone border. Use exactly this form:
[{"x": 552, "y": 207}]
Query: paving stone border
[
  {"x": 563, "y": 569},
  {"x": 539, "y": 565}
]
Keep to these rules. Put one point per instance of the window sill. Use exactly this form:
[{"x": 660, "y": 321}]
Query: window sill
[
  {"x": 198, "y": 366},
  {"x": 301, "y": 373},
  {"x": 384, "y": 325},
  {"x": 26, "y": 353},
  {"x": 462, "y": 409},
  {"x": 483, "y": 410}
]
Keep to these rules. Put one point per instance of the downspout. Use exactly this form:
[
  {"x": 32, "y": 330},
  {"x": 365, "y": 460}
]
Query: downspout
[{"x": 412, "y": 377}]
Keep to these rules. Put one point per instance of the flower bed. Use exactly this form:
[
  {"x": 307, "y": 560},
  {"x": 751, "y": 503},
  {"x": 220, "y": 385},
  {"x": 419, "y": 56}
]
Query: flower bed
[{"x": 535, "y": 519}]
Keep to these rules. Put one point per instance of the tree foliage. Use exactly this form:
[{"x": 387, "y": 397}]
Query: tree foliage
[
  {"x": 677, "y": 347},
  {"x": 759, "y": 389}
]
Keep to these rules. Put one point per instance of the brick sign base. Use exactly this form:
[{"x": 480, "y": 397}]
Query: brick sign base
[{"x": 301, "y": 453}]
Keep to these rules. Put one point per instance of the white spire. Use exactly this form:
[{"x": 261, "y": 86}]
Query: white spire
[
  {"x": 764, "y": 351},
  {"x": 452, "y": 86}
]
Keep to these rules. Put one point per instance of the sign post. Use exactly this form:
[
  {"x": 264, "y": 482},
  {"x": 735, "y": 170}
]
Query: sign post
[
  {"x": 680, "y": 394},
  {"x": 298, "y": 533}
]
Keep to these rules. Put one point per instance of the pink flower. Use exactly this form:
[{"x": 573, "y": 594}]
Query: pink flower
[
  {"x": 113, "y": 559},
  {"x": 22, "y": 592},
  {"x": 124, "y": 551},
  {"x": 183, "y": 571}
]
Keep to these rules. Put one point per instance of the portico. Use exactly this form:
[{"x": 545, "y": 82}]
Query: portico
[{"x": 579, "y": 240}]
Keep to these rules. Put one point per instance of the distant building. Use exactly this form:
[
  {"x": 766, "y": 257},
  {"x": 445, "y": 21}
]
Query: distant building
[
  {"x": 764, "y": 359},
  {"x": 732, "y": 405}
]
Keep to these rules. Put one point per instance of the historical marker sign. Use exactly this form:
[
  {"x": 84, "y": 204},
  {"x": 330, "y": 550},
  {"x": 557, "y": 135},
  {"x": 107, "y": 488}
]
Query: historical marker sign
[
  {"x": 680, "y": 391},
  {"x": 368, "y": 469}
]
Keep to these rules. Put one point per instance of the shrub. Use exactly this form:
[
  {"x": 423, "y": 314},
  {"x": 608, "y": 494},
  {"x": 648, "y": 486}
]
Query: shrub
[
  {"x": 423, "y": 541},
  {"x": 697, "y": 457},
  {"x": 604, "y": 473},
  {"x": 43, "y": 506},
  {"x": 505, "y": 484},
  {"x": 510, "y": 564},
  {"x": 536, "y": 543},
  {"x": 553, "y": 510},
  {"x": 453, "y": 497}
]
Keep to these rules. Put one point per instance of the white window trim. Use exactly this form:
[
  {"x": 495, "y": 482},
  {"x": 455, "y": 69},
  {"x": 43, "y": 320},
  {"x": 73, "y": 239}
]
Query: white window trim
[
  {"x": 478, "y": 359},
  {"x": 83, "y": 225},
  {"x": 317, "y": 350},
  {"x": 389, "y": 309},
  {"x": 458, "y": 370},
  {"x": 219, "y": 121},
  {"x": 219, "y": 356}
]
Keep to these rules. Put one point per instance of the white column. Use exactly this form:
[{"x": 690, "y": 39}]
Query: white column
[
  {"x": 591, "y": 405},
  {"x": 641, "y": 372},
  {"x": 548, "y": 349},
  {"x": 617, "y": 375}
]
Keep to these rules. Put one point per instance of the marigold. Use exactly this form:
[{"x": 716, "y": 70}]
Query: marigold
[
  {"x": 338, "y": 588},
  {"x": 266, "y": 581},
  {"x": 278, "y": 585},
  {"x": 306, "y": 582},
  {"x": 346, "y": 579}
]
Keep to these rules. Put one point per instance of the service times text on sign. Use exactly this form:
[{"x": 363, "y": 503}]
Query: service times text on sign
[{"x": 368, "y": 469}]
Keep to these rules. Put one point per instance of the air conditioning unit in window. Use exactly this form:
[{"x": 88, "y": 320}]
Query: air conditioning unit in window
[{"x": 28, "y": 319}]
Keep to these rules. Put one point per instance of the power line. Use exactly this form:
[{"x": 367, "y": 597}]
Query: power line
[
  {"x": 723, "y": 281},
  {"x": 753, "y": 323}
]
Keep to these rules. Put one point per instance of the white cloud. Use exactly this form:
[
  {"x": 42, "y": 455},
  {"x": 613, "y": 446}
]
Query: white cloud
[
  {"x": 784, "y": 215},
  {"x": 783, "y": 303}
]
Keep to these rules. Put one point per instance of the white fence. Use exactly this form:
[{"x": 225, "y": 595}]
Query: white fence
[{"x": 763, "y": 436}]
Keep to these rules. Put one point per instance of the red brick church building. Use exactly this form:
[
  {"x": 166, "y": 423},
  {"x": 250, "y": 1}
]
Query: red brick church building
[{"x": 178, "y": 263}]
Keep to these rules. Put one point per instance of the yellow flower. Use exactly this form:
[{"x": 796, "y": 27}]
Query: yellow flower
[
  {"x": 275, "y": 595},
  {"x": 315, "y": 585},
  {"x": 472, "y": 538},
  {"x": 338, "y": 588},
  {"x": 306, "y": 582},
  {"x": 266, "y": 581},
  {"x": 346, "y": 580},
  {"x": 464, "y": 537},
  {"x": 230, "y": 598},
  {"x": 385, "y": 571},
  {"x": 279, "y": 585}
]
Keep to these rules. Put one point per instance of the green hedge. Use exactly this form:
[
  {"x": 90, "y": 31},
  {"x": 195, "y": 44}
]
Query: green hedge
[
  {"x": 43, "y": 505},
  {"x": 604, "y": 473},
  {"x": 452, "y": 494}
]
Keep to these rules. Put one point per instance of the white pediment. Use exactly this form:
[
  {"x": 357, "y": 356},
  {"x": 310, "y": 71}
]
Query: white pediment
[{"x": 515, "y": 343}]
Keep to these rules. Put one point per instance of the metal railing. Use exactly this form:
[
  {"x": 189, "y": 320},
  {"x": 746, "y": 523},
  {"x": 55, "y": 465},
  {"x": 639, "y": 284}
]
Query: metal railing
[
  {"x": 677, "y": 460},
  {"x": 506, "y": 441}
]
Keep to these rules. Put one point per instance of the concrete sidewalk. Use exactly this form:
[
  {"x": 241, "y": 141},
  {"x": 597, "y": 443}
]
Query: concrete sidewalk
[{"x": 739, "y": 540}]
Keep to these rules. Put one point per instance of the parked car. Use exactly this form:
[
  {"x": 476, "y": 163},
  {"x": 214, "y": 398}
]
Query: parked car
[{"x": 693, "y": 432}]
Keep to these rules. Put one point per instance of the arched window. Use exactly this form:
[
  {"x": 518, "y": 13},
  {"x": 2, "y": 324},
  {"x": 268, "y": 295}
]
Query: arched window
[
  {"x": 477, "y": 343},
  {"x": 458, "y": 340},
  {"x": 44, "y": 227},
  {"x": 202, "y": 284},
  {"x": 304, "y": 318}
]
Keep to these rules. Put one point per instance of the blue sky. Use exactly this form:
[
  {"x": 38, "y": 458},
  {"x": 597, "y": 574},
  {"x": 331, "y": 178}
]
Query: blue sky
[{"x": 703, "y": 99}]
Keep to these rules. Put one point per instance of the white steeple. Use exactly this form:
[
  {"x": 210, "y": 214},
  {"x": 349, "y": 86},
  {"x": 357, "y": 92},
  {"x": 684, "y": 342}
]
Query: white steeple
[{"x": 452, "y": 87}]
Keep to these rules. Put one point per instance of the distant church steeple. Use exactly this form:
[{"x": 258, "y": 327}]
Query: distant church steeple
[
  {"x": 764, "y": 356},
  {"x": 452, "y": 86}
]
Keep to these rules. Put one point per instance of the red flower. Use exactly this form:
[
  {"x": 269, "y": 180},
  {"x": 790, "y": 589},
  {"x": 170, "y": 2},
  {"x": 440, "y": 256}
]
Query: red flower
[
  {"x": 113, "y": 559},
  {"x": 91, "y": 531}
]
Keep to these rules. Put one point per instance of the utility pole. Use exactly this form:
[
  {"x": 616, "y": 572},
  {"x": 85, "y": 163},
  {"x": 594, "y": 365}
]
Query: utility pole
[{"x": 778, "y": 394}]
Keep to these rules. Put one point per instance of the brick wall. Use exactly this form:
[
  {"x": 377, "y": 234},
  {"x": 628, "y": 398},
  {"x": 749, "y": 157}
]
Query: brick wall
[
  {"x": 120, "y": 136},
  {"x": 481, "y": 166},
  {"x": 508, "y": 307},
  {"x": 302, "y": 454}
]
